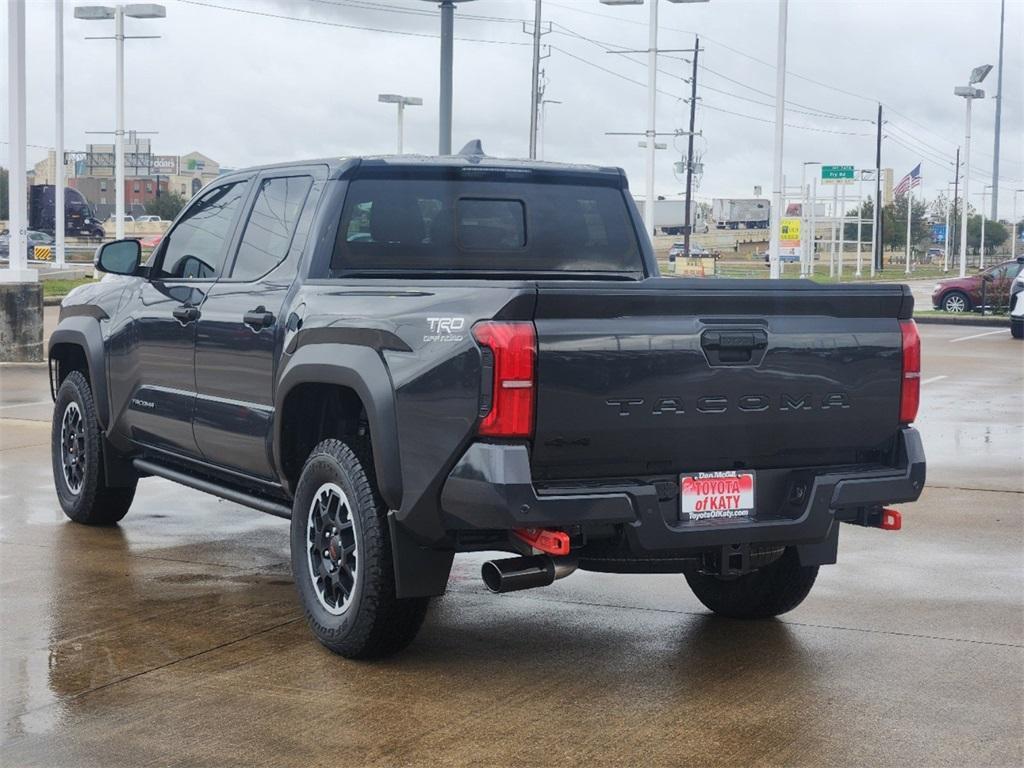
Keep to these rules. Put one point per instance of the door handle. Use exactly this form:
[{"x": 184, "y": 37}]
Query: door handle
[
  {"x": 258, "y": 319},
  {"x": 734, "y": 346},
  {"x": 186, "y": 314}
]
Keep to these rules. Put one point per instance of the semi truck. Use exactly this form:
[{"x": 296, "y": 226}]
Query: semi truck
[
  {"x": 740, "y": 213},
  {"x": 79, "y": 218}
]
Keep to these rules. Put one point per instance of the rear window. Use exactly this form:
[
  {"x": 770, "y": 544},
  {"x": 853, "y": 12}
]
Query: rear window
[{"x": 437, "y": 225}]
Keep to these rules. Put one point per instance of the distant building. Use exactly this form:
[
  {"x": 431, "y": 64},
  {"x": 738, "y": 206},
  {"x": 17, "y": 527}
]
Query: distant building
[
  {"x": 147, "y": 176},
  {"x": 194, "y": 171}
]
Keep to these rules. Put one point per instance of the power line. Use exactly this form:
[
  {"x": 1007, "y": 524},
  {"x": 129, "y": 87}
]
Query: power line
[{"x": 360, "y": 27}]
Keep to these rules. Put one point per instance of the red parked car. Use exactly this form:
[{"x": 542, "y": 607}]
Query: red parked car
[{"x": 956, "y": 294}]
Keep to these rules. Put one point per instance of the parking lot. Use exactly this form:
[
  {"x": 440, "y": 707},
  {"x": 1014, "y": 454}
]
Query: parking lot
[{"x": 175, "y": 638}]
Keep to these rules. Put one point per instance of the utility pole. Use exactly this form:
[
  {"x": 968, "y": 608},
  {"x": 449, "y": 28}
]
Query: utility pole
[
  {"x": 780, "y": 116},
  {"x": 999, "y": 116},
  {"x": 876, "y": 256},
  {"x": 688, "y": 220},
  {"x": 652, "y": 103},
  {"x": 535, "y": 82}
]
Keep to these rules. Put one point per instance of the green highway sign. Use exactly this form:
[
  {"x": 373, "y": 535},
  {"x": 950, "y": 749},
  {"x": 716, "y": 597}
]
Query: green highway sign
[{"x": 837, "y": 174}]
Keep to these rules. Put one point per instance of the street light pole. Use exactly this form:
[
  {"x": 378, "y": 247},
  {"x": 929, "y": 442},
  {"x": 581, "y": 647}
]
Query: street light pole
[
  {"x": 402, "y": 102},
  {"x": 969, "y": 93},
  {"x": 780, "y": 114},
  {"x": 1013, "y": 241},
  {"x": 652, "y": 99},
  {"x": 117, "y": 13},
  {"x": 119, "y": 128},
  {"x": 981, "y": 264},
  {"x": 58, "y": 151},
  {"x": 17, "y": 266}
]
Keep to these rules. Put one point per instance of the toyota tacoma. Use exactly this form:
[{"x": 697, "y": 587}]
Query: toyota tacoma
[{"x": 414, "y": 357}]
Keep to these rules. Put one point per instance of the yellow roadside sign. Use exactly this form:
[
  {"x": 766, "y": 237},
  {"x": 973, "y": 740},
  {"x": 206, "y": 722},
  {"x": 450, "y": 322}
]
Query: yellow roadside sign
[{"x": 42, "y": 253}]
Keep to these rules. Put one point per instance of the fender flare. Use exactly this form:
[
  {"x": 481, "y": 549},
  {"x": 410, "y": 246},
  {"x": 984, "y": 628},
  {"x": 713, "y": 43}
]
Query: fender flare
[
  {"x": 84, "y": 331},
  {"x": 362, "y": 370}
]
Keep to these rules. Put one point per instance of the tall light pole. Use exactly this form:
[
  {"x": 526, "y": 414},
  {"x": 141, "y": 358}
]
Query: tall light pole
[
  {"x": 945, "y": 247},
  {"x": 402, "y": 102},
  {"x": 1013, "y": 229},
  {"x": 17, "y": 266},
  {"x": 444, "y": 128},
  {"x": 969, "y": 93},
  {"x": 981, "y": 264},
  {"x": 652, "y": 98},
  {"x": 58, "y": 150},
  {"x": 780, "y": 114},
  {"x": 999, "y": 116},
  {"x": 117, "y": 13},
  {"x": 808, "y": 254}
]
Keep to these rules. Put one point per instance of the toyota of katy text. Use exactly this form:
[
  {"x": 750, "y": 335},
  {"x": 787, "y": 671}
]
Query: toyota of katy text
[{"x": 412, "y": 358}]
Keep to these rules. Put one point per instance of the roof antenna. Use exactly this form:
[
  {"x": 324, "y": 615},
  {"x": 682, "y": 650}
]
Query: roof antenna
[{"x": 473, "y": 149}]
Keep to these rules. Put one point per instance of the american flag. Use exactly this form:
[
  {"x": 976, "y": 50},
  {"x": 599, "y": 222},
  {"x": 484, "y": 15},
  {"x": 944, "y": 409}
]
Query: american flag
[{"x": 909, "y": 181}]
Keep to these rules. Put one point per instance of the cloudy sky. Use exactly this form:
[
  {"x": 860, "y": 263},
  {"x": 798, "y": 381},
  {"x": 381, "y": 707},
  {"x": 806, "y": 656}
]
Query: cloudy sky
[{"x": 254, "y": 81}]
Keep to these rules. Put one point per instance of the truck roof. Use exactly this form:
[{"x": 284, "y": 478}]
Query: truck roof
[{"x": 339, "y": 167}]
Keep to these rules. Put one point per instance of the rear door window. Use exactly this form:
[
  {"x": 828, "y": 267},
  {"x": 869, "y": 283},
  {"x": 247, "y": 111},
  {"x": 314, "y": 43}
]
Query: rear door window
[{"x": 271, "y": 226}]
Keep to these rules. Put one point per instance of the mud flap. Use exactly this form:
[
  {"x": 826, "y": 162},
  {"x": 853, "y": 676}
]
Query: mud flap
[
  {"x": 419, "y": 571},
  {"x": 823, "y": 552}
]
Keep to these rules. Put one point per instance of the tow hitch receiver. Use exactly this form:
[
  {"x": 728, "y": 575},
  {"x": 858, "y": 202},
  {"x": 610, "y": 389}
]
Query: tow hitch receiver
[
  {"x": 877, "y": 517},
  {"x": 555, "y": 543}
]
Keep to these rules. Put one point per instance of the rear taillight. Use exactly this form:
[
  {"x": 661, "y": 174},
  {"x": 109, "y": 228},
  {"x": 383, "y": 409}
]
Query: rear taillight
[
  {"x": 910, "y": 389},
  {"x": 513, "y": 349}
]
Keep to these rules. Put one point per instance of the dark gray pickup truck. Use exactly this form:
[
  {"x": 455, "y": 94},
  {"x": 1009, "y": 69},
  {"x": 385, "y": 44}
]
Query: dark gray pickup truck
[{"x": 415, "y": 357}]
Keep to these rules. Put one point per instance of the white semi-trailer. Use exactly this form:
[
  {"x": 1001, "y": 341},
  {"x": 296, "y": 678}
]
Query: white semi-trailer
[{"x": 740, "y": 213}]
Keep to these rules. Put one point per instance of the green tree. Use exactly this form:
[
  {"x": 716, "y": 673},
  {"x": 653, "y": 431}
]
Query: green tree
[
  {"x": 894, "y": 223},
  {"x": 166, "y": 206},
  {"x": 995, "y": 234}
]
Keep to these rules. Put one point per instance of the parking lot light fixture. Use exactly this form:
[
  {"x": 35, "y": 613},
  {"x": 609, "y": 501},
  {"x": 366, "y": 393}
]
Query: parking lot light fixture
[
  {"x": 652, "y": 99},
  {"x": 117, "y": 13},
  {"x": 968, "y": 93},
  {"x": 402, "y": 102}
]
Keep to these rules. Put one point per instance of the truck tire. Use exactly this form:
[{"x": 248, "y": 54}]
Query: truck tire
[
  {"x": 342, "y": 558},
  {"x": 761, "y": 594},
  {"x": 76, "y": 450},
  {"x": 1017, "y": 327}
]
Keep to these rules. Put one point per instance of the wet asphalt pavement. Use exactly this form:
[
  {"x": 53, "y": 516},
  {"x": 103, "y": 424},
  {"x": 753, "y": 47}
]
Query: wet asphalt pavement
[{"x": 176, "y": 639}]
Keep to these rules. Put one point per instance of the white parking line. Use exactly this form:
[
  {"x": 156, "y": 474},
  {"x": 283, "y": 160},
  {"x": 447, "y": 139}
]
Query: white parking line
[
  {"x": 933, "y": 379},
  {"x": 977, "y": 335},
  {"x": 25, "y": 405}
]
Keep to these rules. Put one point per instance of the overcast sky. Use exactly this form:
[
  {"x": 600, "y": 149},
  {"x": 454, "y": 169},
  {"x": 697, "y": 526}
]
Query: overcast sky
[{"x": 255, "y": 86}]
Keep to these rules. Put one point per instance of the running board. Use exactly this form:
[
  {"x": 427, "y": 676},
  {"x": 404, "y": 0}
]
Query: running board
[{"x": 276, "y": 508}]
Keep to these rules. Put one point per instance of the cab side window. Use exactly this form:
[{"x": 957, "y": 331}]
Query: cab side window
[
  {"x": 197, "y": 246},
  {"x": 271, "y": 226}
]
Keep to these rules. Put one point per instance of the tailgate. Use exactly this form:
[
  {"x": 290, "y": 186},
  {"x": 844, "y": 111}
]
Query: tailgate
[{"x": 677, "y": 375}]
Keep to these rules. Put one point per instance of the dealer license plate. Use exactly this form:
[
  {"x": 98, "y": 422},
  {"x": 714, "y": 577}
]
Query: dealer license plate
[{"x": 716, "y": 495}]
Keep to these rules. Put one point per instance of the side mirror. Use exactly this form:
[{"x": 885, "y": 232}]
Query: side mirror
[{"x": 121, "y": 257}]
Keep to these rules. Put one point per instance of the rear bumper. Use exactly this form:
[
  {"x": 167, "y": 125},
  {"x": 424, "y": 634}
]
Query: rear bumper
[{"x": 491, "y": 488}]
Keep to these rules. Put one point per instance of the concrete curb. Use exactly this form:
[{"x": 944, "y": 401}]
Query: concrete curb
[
  {"x": 979, "y": 322},
  {"x": 52, "y": 301}
]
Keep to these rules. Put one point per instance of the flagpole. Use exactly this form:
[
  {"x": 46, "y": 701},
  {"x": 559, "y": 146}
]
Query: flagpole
[{"x": 910, "y": 213}]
